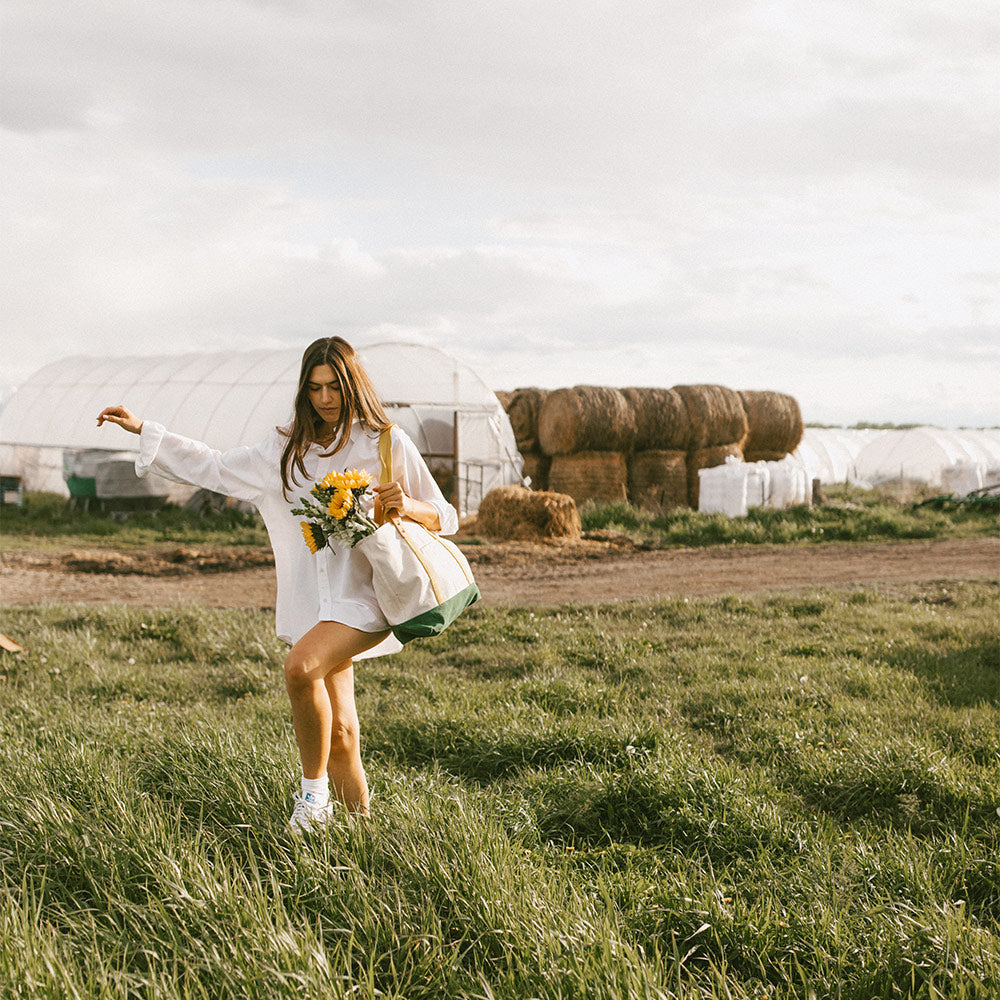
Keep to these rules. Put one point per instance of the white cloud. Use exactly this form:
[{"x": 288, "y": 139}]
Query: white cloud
[{"x": 733, "y": 192}]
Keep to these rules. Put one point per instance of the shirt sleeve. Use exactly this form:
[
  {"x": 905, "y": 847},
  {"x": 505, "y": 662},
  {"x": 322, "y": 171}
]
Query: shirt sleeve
[
  {"x": 410, "y": 467},
  {"x": 241, "y": 472}
]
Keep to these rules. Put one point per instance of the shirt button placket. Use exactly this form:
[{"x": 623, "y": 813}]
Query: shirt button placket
[{"x": 322, "y": 584}]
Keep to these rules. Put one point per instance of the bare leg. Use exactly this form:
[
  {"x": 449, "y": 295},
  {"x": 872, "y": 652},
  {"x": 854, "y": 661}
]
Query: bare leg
[
  {"x": 319, "y": 678},
  {"x": 347, "y": 774}
]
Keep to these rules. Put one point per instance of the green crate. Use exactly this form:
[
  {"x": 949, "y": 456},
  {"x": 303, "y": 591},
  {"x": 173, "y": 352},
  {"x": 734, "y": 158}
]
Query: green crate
[{"x": 82, "y": 486}]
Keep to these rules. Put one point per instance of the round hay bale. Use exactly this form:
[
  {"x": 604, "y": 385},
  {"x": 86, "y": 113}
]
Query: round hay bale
[
  {"x": 661, "y": 419},
  {"x": 586, "y": 418},
  {"x": 513, "y": 512},
  {"x": 536, "y": 468},
  {"x": 774, "y": 422},
  {"x": 716, "y": 413},
  {"x": 590, "y": 475},
  {"x": 523, "y": 410},
  {"x": 763, "y": 456},
  {"x": 504, "y": 397},
  {"x": 657, "y": 480},
  {"x": 707, "y": 458}
]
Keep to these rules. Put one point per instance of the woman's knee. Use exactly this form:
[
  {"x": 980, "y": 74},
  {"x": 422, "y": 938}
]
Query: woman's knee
[
  {"x": 345, "y": 739},
  {"x": 303, "y": 668},
  {"x": 300, "y": 669}
]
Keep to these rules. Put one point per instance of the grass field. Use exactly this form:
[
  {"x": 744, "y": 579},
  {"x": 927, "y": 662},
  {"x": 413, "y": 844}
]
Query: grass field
[
  {"x": 788, "y": 796},
  {"x": 851, "y": 515}
]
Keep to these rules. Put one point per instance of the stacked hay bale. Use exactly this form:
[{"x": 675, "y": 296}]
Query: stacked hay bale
[
  {"x": 588, "y": 430},
  {"x": 657, "y": 465},
  {"x": 646, "y": 445},
  {"x": 718, "y": 429},
  {"x": 513, "y": 512},
  {"x": 775, "y": 425},
  {"x": 523, "y": 407}
]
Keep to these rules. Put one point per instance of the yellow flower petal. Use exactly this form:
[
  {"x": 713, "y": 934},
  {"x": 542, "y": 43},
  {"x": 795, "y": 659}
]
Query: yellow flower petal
[{"x": 307, "y": 534}]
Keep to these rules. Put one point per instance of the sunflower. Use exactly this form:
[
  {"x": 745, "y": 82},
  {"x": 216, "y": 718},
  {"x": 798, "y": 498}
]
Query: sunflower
[
  {"x": 313, "y": 535},
  {"x": 340, "y": 504},
  {"x": 355, "y": 479}
]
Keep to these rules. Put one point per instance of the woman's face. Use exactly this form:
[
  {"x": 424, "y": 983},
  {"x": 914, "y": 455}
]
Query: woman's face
[{"x": 324, "y": 394}]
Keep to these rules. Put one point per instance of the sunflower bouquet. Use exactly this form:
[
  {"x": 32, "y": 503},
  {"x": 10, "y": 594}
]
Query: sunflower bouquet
[{"x": 336, "y": 511}]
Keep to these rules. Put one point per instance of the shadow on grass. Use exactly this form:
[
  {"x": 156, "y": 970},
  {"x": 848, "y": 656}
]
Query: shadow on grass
[
  {"x": 960, "y": 678},
  {"x": 485, "y": 756},
  {"x": 690, "y": 810}
]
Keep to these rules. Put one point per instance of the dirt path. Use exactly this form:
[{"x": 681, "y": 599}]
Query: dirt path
[{"x": 587, "y": 572}]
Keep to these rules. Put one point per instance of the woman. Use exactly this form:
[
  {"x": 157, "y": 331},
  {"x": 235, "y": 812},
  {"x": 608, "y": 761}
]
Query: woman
[{"x": 326, "y": 608}]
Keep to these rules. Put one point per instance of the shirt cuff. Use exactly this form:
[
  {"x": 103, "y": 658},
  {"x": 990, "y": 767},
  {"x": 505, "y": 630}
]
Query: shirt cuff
[
  {"x": 447, "y": 516},
  {"x": 149, "y": 444}
]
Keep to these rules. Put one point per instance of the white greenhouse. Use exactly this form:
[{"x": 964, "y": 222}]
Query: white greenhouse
[
  {"x": 927, "y": 455},
  {"x": 235, "y": 398}
]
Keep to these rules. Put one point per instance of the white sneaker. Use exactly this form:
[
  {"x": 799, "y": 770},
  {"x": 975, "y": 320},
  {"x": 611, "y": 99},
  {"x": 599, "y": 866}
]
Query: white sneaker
[{"x": 306, "y": 815}]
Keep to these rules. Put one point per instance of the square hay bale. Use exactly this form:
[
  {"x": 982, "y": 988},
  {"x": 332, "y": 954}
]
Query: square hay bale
[
  {"x": 590, "y": 475},
  {"x": 657, "y": 480}
]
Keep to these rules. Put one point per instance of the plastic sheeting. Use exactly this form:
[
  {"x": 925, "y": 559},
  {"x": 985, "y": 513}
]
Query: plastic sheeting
[
  {"x": 829, "y": 453},
  {"x": 919, "y": 454},
  {"x": 233, "y": 398},
  {"x": 736, "y": 486},
  {"x": 962, "y": 479}
]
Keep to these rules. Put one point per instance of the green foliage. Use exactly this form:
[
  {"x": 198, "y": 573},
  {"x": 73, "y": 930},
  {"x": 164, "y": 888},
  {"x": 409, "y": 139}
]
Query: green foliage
[
  {"x": 46, "y": 518},
  {"x": 782, "y": 796},
  {"x": 986, "y": 500},
  {"x": 851, "y": 515}
]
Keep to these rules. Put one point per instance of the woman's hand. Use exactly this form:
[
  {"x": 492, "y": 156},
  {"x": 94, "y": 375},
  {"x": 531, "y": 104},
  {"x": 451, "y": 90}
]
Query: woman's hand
[
  {"x": 122, "y": 417},
  {"x": 390, "y": 496}
]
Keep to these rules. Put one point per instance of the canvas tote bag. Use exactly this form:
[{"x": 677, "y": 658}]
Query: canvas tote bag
[{"x": 422, "y": 581}]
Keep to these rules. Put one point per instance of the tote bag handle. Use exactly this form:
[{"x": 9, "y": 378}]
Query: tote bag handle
[{"x": 385, "y": 458}]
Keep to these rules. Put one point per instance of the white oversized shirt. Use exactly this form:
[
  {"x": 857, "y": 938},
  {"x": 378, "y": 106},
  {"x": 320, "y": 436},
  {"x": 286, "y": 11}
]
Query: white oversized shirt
[{"x": 332, "y": 584}]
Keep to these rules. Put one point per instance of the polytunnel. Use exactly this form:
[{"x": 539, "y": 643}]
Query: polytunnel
[
  {"x": 922, "y": 454},
  {"x": 828, "y": 453},
  {"x": 234, "y": 398}
]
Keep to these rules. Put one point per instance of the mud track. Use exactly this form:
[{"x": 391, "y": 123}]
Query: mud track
[{"x": 602, "y": 568}]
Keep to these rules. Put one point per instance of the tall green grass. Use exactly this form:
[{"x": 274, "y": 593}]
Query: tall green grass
[
  {"x": 850, "y": 515},
  {"x": 780, "y": 796},
  {"x": 46, "y": 520}
]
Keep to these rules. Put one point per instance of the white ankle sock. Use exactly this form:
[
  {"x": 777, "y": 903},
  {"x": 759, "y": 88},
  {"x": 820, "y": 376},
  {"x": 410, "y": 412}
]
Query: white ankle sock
[{"x": 316, "y": 791}]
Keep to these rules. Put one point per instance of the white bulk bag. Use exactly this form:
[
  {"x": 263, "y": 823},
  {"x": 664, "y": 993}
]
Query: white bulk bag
[{"x": 722, "y": 489}]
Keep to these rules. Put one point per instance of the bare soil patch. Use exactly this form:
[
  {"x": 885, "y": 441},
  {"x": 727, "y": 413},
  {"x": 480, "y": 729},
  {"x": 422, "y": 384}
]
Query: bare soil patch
[{"x": 602, "y": 567}]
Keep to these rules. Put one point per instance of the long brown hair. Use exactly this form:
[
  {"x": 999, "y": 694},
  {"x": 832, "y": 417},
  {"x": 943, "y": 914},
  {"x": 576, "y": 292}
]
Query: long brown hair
[{"x": 358, "y": 401}]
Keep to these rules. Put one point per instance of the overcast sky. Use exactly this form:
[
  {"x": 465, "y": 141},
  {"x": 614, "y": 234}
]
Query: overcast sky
[{"x": 800, "y": 196}]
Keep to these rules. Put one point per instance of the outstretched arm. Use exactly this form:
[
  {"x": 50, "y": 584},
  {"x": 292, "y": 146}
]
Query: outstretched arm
[
  {"x": 241, "y": 472},
  {"x": 121, "y": 416}
]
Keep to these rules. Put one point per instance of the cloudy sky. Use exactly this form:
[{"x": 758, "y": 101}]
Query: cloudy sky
[{"x": 800, "y": 196}]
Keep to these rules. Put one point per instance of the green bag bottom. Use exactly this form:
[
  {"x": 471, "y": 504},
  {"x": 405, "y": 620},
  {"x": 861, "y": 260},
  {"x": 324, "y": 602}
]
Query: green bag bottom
[{"x": 435, "y": 621}]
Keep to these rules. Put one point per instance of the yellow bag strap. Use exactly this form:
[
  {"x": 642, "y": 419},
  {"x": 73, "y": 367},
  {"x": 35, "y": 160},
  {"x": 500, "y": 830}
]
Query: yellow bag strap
[{"x": 385, "y": 457}]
